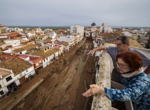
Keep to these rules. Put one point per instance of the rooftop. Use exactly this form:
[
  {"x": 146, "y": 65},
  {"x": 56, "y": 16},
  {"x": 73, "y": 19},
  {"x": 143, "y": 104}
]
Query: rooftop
[
  {"x": 31, "y": 58},
  {"x": 48, "y": 40},
  {"x": 6, "y": 57},
  {"x": 17, "y": 65},
  {"x": 27, "y": 47},
  {"x": 4, "y": 73},
  {"x": 61, "y": 43},
  {"x": 2, "y": 43},
  {"x": 46, "y": 54},
  {"x": 116, "y": 33}
]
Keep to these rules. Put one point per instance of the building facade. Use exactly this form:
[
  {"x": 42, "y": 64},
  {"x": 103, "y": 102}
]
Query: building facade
[{"x": 77, "y": 29}]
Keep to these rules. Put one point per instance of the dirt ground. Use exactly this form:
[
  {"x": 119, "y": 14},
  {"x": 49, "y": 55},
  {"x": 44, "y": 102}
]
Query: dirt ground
[{"x": 63, "y": 88}]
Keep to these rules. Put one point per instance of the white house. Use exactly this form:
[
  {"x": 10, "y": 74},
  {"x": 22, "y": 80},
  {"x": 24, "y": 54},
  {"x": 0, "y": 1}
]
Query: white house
[
  {"x": 38, "y": 30},
  {"x": 64, "y": 45},
  {"x": 10, "y": 50},
  {"x": 126, "y": 33},
  {"x": 48, "y": 60},
  {"x": 3, "y": 36},
  {"x": 51, "y": 35},
  {"x": 91, "y": 31},
  {"x": 24, "y": 39},
  {"x": 87, "y": 33},
  {"x": 51, "y": 58},
  {"x": 12, "y": 42},
  {"x": 95, "y": 44},
  {"x": 47, "y": 53},
  {"x": 56, "y": 55},
  {"x": 69, "y": 39},
  {"x": 142, "y": 31},
  {"x": 77, "y": 29},
  {"x": 31, "y": 34},
  {"x": 6, "y": 78},
  {"x": 36, "y": 61},
  {"x": 135, "y": 31},
  {"x": 14, "y": 76},
  {"x": 105, "y": 29},
  {"x": 18, "y": 29}
]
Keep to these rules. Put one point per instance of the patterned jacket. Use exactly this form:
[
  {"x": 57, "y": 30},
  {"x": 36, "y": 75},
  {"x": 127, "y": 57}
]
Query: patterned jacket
[{"x": 137, "y": 90}]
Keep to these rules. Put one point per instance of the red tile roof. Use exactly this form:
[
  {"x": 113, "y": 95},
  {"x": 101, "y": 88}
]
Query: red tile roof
[{"x": 31, "y": 58}]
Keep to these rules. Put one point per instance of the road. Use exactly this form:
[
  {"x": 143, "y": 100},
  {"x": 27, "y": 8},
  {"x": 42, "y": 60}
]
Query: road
[{"x": 63, "y": 84}]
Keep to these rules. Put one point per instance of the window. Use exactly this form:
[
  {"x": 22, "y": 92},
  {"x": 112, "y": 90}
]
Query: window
[
  {"x": 8, "y": 78},
  {"x": 37, "y": 64},
  {"x": 1, "y": 92}
]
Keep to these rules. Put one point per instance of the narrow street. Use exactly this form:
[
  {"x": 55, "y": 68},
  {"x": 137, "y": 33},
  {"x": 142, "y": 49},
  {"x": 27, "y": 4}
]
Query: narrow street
[
  {"x": 63, "y": 89},
  {"x": 64, "y": 82}
]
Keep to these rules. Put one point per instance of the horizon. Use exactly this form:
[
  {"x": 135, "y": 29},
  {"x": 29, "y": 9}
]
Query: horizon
[{"x": 80, "y": 25}]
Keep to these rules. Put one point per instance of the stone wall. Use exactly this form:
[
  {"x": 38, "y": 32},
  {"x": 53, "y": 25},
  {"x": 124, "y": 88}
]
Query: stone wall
[{"x": 101, "y": 102}]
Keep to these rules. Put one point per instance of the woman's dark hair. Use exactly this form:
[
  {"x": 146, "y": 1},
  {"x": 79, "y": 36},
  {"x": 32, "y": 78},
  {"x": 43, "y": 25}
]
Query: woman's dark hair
[{"x": 133, "y": 59}]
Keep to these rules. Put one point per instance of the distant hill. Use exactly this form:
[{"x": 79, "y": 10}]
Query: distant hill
[
  {"x": 43, "y": 27},
  {"x": 68, "y": 27}
]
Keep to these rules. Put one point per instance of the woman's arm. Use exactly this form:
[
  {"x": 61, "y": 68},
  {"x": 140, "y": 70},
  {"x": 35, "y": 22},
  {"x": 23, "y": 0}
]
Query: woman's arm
[
  {"x": 94, "y": 89},
  {"x": 131, "y": 92}
]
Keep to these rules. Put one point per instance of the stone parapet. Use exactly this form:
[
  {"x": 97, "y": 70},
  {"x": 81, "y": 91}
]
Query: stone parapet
[{"x": 101, "y": 102}]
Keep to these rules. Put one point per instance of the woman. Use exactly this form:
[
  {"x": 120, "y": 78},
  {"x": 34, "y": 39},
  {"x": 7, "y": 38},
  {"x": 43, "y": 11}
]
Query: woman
[{"x": 137, "y": 83}]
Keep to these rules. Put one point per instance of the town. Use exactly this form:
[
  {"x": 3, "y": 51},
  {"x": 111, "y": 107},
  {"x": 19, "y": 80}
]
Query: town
[{"x": 31, "y": 56}]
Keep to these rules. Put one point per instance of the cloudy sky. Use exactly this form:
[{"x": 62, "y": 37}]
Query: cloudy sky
[{"x": 71, "y": 12}]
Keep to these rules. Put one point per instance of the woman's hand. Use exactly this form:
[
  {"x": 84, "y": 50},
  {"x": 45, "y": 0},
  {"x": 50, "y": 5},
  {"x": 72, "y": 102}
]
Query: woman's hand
[
  {"x": 91, "y": 52},
  {"x": 94, "y": 89}
]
